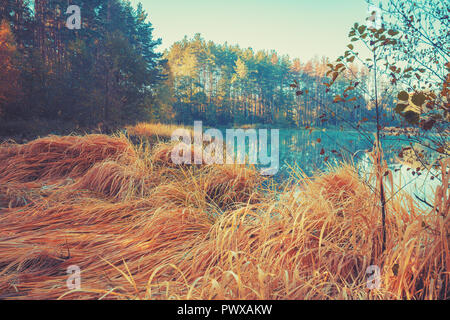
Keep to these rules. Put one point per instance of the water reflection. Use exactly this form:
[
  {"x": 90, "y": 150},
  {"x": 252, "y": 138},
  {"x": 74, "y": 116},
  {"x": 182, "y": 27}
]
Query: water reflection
[
  {"x": 311, "y": 150},
  {"x": 314, "y": 150}
]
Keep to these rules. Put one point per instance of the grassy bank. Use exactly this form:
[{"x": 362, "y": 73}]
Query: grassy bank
[
  {"x": 153, "y": 130},
  {"x": 140, "y": 227}
]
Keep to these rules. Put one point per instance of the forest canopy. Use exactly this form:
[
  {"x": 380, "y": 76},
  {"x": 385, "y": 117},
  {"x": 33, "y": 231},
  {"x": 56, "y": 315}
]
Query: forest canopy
[{"x": 107, "y": 70}]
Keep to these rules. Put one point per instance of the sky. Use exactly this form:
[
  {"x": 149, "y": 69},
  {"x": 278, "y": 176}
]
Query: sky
[{"x": 299, "y": 28}]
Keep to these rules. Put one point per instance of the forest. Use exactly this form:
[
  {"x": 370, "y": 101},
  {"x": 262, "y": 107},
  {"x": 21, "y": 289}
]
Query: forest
[
  {"x": 109, "y": 72},
  {"x": 227, "y": 84}
]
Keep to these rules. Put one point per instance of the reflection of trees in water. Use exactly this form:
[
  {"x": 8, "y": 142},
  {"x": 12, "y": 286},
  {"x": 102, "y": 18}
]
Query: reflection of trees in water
[{"x": 303, "y": 148}]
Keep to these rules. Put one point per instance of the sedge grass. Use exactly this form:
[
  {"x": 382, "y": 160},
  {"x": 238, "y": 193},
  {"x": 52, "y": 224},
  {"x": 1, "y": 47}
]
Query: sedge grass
[{"x": 140, "y": 227}]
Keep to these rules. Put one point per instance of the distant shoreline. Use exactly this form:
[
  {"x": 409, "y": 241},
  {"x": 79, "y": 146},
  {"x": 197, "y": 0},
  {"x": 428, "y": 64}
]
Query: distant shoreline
[{"x": 22, "y": 131}]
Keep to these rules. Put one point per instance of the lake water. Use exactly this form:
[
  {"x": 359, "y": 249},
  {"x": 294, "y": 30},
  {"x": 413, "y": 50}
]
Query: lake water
[{"x": 311, "y": 151}]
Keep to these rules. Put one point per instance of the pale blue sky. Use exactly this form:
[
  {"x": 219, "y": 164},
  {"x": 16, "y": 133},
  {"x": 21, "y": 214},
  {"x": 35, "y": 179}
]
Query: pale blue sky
[{"x": 300, "y": 28}]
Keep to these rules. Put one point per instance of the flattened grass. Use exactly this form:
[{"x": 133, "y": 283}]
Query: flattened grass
[{"x": 140, "y": 227}]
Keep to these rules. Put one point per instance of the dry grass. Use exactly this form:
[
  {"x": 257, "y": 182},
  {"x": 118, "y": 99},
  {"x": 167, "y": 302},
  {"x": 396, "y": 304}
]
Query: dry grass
[
  {"x": 140, "y": 227},
  {"x": 159, "y": 130}
]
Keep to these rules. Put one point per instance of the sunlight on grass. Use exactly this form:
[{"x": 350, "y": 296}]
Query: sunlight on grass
[
  {"x": 140, "y": 227},
  {"x": 145, "y": 129}
]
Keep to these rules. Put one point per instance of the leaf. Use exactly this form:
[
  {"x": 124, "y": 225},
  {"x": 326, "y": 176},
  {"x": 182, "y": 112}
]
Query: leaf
[
  {"x": 349, "y": 88},
  {"x": 350, "y": 46},
  {"x": 418, "y": 98},
  {"x": 351, "y": 59},
  {"x": 361, "y": 29},
  {"x": 400, "y": 107},
  {"x": 407, "y": 69},
  {"x": 412, "y": 117},
  {"x": 337, "y": 98},
  {"x": 335, "y": 75},
  {"x": 319, "y": 140},
  {"x": 322, "y": 151},
  {"x": 325, "y": 159},
  {"x": 393, "y": 32},
  {"x": 403, "y": 95}
]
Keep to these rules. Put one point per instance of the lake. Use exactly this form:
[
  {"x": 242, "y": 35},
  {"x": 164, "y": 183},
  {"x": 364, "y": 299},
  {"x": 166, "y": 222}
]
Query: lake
[{"x": 315, "y": 150}]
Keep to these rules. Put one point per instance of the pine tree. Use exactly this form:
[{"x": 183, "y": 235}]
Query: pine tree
[{"x": 9, "y": 81}]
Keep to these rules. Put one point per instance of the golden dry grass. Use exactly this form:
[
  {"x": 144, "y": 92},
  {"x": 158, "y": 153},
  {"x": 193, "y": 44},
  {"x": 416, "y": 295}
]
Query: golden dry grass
[
  {"x": 140, "y": 227},
  {"x": 159, "y": 130}
]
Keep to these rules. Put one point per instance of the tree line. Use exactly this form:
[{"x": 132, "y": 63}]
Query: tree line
[
  {"x": 107, "y": 71},
  {"x": 110, "y": 71},
  {"x": 223, "y": 84}
]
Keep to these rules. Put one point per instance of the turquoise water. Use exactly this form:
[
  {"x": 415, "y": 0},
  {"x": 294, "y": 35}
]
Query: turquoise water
[
  {"x": 316, "y": 150},
  {"x": 313, "y": 150}
]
